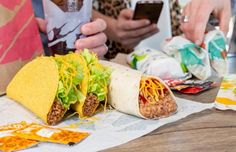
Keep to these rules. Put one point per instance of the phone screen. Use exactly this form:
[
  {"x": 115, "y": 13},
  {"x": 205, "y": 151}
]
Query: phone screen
[{"x": 148, "y": 10}]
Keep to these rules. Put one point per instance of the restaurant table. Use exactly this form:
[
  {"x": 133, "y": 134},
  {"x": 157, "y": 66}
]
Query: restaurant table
[{"x": 210, "y": 130}]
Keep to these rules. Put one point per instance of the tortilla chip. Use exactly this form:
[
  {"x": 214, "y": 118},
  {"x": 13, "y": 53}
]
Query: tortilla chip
[{"x": 35, "y": 86}]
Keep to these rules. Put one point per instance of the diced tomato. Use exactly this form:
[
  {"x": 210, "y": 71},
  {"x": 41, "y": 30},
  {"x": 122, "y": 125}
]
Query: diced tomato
[{"x": 142, "y": 99}]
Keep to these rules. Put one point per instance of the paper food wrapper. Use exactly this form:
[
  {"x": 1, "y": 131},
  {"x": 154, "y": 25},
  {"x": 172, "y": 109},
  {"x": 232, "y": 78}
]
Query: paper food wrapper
[
  {"x": 19, "y": 38},
  {"x": 157, "y": 63},
  {"x": 202, "y": 61},
  {"x": 64, "y": 21},
  {"x": 193, "y": 57},
  {"x": 215, "y": 44},
  {"x": 10, "y": 142},
  {"x": 49, "y": 134},
  {"x": 226, "y": 98}
]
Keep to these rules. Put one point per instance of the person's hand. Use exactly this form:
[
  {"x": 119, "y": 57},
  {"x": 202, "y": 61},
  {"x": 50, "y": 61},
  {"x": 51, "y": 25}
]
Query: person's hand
[
  {"x": 130, "y": 32},
  {"x": 41, "y": 24},
  {"x": 198, "y": 13},
  {"x": 95, "y": 40}
]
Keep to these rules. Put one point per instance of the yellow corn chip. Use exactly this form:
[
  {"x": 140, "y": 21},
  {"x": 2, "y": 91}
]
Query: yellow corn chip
[
  {"x": 10, "y": 142},
  {"x": 49, "y": 134}
]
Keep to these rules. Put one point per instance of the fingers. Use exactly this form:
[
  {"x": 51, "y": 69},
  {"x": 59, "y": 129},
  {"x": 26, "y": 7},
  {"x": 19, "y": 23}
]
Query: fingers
[
  {"x": 130, "y": 32},
  {"x": 134, "y": 24},
  {"x": 132, "y": 42},
  {"x": 41, "y": 24},
  {"x": 94, "y": 27},
  {"x": 96, "y": 39},
  {"x": 126, "y": 13},
  {"x": 100, "y": 51},
  {"x": 198, "y": 14},
  {"x": 125, "y": 21},
  {"x": 150, "y": 34},
  {"x": 224, "y": 24},
  {"x": 225, "y": 20},
  {"x": 139, "y": 32},
  {"x": 91, "y": 41}
]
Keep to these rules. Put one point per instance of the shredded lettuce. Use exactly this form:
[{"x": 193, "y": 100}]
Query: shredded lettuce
[
  {"x": 99, "y": 75},
  {"x": 70, "y": 77}
]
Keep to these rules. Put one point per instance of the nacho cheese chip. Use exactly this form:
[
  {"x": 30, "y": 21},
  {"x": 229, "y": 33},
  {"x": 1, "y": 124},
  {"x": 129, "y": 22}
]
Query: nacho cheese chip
[
  {"x": 49, "y": 134},
  {"x": 10, "y": 142}
]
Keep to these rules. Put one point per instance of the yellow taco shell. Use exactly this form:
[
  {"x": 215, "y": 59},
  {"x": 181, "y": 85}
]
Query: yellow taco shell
[{"x": 41, "y": 76}]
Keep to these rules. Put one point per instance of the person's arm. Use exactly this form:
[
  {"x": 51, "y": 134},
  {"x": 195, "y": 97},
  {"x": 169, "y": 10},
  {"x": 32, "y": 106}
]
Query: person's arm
[
  {"x": 125, "y": 30},
  {"x": 110, "y": 24},
  {"x": 198, "y": 13}
]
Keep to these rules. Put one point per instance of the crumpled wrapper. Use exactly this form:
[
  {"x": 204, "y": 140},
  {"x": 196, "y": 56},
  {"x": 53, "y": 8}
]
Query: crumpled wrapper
[
  {"x": 193, "y": 57},
  {"x": 202, "y": 61},
  {"x": 157, "y": 63},
  {"x": 215, "y": 44}
]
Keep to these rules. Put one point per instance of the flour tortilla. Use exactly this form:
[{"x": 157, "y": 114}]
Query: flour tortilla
[{"x": 123, "y": 92}]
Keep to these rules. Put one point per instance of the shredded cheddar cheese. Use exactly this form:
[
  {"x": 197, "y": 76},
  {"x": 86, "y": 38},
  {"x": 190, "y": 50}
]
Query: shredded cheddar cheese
[
  {"x": 151, "y": 90},
  {"x": 67, "y": 72}
]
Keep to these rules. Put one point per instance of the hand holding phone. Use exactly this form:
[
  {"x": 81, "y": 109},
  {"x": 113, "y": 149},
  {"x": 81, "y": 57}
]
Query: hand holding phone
[{"x": 148, "y": 10}]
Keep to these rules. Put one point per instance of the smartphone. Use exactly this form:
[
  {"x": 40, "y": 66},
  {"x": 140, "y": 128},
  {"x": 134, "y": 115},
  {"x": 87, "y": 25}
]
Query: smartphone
[{"x": 148, "y": 10}]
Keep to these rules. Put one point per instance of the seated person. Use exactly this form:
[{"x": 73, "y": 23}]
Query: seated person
[{"x": 124, "y": 33}]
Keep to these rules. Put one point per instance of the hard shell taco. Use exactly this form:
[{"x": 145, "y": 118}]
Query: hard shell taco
[
  {"x": 49, "y": 86},
  {"x": 97, "y": 86}
]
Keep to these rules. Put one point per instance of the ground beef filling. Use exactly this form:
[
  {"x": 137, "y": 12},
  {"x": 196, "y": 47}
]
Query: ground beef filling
[
  {"x": 163, "y": 108},
  {"x": 56, "y": 113},
  {"x": 90, "y": 105}
]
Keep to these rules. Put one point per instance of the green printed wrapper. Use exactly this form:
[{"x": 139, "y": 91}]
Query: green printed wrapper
[
  {"x": 215, "y": 44},
  {"x": 157, "y": 63},
  {"x": 191, "y": 56},
  {"x": 202, "y": 61}
]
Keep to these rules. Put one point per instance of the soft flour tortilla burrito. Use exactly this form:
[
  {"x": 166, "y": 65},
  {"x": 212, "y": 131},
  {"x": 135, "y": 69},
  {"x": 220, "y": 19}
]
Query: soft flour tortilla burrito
[
  {"x": 140, "y": 95},
  {"x": 48, "y": 86}
]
